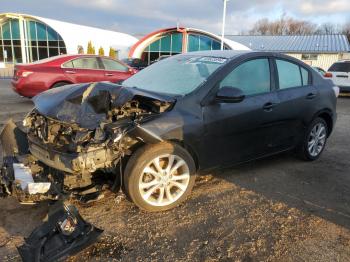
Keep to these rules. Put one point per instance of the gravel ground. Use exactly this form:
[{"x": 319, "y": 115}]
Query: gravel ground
[{"x": 276, "y": 209}]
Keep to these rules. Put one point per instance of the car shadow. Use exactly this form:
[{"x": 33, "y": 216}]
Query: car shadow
[
  {"x": 19, "y": 219},
  {"x": 321, "y": 188}
]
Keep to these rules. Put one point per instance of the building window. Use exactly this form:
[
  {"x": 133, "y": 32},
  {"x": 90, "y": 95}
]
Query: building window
[
  {"x": 309, "y": 56},
  {"x": 203, "y": 43},
  {"x": 168, "y": 44},
  {"x": 40, "y": 41}
]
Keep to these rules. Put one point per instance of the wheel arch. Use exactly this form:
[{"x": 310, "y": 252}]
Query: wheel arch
[
  {"x": 327, "y": 116},
  {"x": 60, "y": 81},
  {"x": 189, "y": 149}
]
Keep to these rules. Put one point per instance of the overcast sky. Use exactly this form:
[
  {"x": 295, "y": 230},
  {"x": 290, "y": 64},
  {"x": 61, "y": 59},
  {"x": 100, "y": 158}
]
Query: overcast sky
[{"x": 144, "y": 16}]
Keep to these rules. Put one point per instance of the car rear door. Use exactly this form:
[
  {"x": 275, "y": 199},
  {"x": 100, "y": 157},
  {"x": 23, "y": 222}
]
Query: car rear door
[
  {"x": 298, "y": 102},
  {"x": 114, "y": 71},
  {"x": 340, "y": 73},
  {"x": 83, "y": 70},
  {"x": 237, "y": 132}
]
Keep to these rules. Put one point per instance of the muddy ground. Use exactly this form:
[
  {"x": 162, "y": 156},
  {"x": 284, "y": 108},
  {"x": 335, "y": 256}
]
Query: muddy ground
[{"x": 276, "y": 209}]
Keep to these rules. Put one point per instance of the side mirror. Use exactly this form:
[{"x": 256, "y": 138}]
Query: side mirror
[{"x": 228, "y": 94}]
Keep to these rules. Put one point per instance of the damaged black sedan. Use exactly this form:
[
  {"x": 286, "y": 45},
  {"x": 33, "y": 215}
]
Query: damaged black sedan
[{"x": 155, "y": 132}]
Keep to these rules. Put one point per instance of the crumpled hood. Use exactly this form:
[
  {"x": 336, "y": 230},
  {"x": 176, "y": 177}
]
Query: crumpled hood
[{"x": 87, "y": 104}]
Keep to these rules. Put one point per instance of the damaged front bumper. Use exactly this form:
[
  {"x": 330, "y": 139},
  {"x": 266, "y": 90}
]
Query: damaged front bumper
[
  {"x": 19, "y": 173},
  {"x": 90, "y": 161}
]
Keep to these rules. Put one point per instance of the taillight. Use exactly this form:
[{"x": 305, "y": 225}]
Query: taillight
[
  {"x": 336, "y": 91},
  {"x": 23, "y": 73},
  {"x": 328, "y": 75}
]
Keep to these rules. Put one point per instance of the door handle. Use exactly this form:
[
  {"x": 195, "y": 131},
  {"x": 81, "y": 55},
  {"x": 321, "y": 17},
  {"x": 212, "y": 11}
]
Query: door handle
[
  {"x": 70, "y": 72},
  {"x": 109, "y": 74},
  {"x": 269, "y": 106},
  {"x": 311, "y": 96}
]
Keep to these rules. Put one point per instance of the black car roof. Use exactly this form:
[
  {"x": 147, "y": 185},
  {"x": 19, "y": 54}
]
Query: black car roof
[{"x": 220, "y": 53}]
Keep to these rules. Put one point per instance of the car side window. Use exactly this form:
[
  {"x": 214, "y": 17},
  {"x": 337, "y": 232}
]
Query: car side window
[
  {"x": 305, "y": 76},
  {"x": 110, "y": 64},
  {"x": 68, "y": 64},
  {"x": 86, "y": 63},
  {"x": 291, "y": 75},
  {"x": 252, "y": 77}
]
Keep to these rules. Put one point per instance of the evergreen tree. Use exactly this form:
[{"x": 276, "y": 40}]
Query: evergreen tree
[
  {"x": 101, "y": 51},
  {"x": 90, "y": 49},
  {"x": 112, "y": 53}
]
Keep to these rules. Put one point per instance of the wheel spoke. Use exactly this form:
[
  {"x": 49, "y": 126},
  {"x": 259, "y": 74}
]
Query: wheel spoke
[
  {"x": 171, "y": 159},
  {"x": 151, "y": 191},
  {"x": 178, "y": 185},
  {"x": 156, "y": 163},
  {"x": 150, "y": 170},
  {"x": 177, "y": 165},
  {"x": 322, "y": 138},
  {"x": 311, "y": 145},
  {"x": 180, "y": 177},
  {"x": 161, "y": 195},
  {"x": 168, "y": 194},
  {"x": 313, "y": 133},
  {"x": 149, "y": 184},
  {"x": 320, "y": 130}
]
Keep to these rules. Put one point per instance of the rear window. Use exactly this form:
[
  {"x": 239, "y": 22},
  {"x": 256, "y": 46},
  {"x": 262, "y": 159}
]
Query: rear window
[
  {"x": 340, "y": 67},
  {"x": 110, "y": 64},
  {"x": 83, "y": 63}
]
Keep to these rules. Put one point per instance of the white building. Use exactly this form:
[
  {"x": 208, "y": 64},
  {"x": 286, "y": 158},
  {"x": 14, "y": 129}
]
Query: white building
[
  {"x": 27, "y": 38},
  {"x": 176, "y": 40}
]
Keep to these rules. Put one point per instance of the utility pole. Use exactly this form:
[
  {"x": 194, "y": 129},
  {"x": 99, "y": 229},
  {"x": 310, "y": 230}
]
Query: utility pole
[{"x": 223, "y": 25}]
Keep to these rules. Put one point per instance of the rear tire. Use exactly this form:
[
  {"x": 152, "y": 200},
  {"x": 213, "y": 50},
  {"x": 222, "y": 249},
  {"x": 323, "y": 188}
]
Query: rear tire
[
  {"x": 159, "y": 177},
  {"x": 314, "y": 140}
]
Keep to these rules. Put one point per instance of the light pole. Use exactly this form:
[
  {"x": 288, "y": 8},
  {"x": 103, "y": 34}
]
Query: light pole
[{"x": 223, "y": 25}]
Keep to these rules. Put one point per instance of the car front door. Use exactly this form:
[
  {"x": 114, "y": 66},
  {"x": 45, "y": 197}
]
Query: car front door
[
  {"x": 240, "y": 131},
  {"x": 115, "y": 71},
  {"x": 298, "y": 102},
  {"x": 83, "y": 70}
]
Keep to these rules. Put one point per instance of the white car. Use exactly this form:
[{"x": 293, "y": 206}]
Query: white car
[{"x": 339, "y": 72}]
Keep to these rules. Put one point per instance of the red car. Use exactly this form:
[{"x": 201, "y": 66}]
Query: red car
[{"x": 32, "y": 79}]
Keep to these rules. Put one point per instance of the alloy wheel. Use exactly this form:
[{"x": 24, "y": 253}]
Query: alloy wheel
[
  {"x": 317, "y": 139},
  {"x": 164, "y": 180}
]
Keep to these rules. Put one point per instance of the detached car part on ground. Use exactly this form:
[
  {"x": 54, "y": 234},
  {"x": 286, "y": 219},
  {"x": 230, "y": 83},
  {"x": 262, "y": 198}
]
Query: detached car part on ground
[{"x": 150, "y": 136}]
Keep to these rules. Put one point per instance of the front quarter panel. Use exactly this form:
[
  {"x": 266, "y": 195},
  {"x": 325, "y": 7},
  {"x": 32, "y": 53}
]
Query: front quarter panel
[{"x": 185, "y": 126}]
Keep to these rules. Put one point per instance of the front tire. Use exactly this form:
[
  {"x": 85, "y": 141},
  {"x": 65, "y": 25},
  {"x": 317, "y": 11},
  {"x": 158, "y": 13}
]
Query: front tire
[
  {"x": 315, "y": 140},
  {"x": 159, "y": 177}
]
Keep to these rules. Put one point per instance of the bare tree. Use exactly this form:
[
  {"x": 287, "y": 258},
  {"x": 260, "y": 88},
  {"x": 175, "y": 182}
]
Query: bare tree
[
  {"x": 283, "y": 26},
  {"x": 346, "y": 29},
  {"x": 328, "y": 29},
  {"x": 261, "y": 27},
  {"x": 299, "y": 27}
]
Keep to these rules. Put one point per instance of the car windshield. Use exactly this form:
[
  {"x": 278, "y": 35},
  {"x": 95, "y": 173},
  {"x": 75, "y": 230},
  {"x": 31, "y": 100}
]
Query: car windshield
[
  {"x": 340, "y": 67},
  {"x": 177, "y": 75}
]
